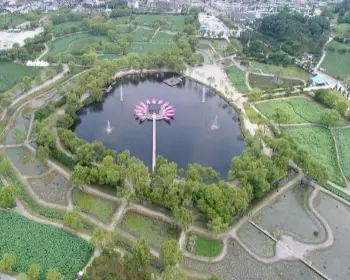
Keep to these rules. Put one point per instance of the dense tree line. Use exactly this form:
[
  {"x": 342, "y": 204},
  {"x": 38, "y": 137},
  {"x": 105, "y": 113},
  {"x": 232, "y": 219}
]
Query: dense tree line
[{"x": 289, "y": 32}]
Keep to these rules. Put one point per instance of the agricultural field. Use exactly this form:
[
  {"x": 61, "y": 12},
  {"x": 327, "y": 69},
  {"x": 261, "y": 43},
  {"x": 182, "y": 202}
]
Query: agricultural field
[
  {"x": 18, "y": 132},
  {"x": 289, "y": 71},
  {"x": 167, "y": 22},
  {"x": 343, "y": 136},
  {"x": 237, "y": 77},
  {"x": 154, "y": 231},
  {"x": 144, "y": 47},
  {"x": 81, "y": 46},
  {"x": 35, "y": 243},
  {"x": 336, "y": 64},
  {"x": 107, "y": 56},
  {"x": 120, "y": 20},
  {"x": 142, "y": 35},
  {"x": 12, "y": 73},
  {"x": 52, "y": 188},
  {"x": 163, "y": 37},
  {"x": 318, "y": 141},
  {"x": 202, "y": 246},
  {"x": 11, "y": 20},
  {"x": 299, "y": 109},
  {"x": 99, "y": 208},
  {"x": 253, "y": 116},
  {"x": 268, "y": 82}
]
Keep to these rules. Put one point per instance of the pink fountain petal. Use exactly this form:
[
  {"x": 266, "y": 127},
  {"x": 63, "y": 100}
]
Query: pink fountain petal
[
  {"x": 143, "y": 105},
  {"x": 154, "y": 101},
  {"x": 160, "y": 101},
  {"x": 148, "y": 101},
  {"x": 166, "y": 118},
  {"x": 165, "y": 105}
]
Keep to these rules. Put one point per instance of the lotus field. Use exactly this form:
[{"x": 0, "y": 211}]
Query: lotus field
[
  {"x": 343, "y": 136},
  {"x": 35, "y": 243},
  {"x": 318, "y": 141},
  {"x": 299, "y": 109}
]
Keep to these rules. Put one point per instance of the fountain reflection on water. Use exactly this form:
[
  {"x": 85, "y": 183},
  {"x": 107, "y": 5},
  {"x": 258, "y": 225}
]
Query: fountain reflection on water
[
  {"x": 108, "y": 128},
  {"x": 215, "y": 125}
]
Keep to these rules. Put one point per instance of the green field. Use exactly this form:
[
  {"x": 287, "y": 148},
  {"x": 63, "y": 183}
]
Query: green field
[
  {"x": 318, "y": 141},
  {"x": 144, "y": 47},
  {"x": 167, "y": 22},
  {"x": 154, "y": 231},
  {"x": 299, "y": 109},
  {"x": 61, "y": 45},
  {"x": 253, "y": 116},
  {"x": 35, "y": 243},
  {"x": 81, "y": 46},
  {"x": 343, "y": 136},
  {"x": 142, "y": 35},
  {"x": 100, "y": 208},
  {"x": 120, "y": 20},
  {"x": 237, "y": 77},
  {"x": 207, "y": 247},
  {"x": 11, "y": 20},
  {"x": 12, "y": 73},
  {"x": 107, "y": 56},
  {"x": 288, "y": 72},
  {"x": 163, "y": 37},
  {"x": 268, "y": 82},
  {"x": 341, "y": 30},
  {"x": 336, "y": 64}
]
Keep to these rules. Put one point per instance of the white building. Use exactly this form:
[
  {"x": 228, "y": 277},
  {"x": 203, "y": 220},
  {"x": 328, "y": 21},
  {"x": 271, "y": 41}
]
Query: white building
[{"x": 211, "y": 26}]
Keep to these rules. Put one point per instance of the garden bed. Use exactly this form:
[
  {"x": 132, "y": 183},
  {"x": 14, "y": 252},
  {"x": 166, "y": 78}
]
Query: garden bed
[
  {"x": 203, "y": 246},
  {"x": 52, "y": 188},
  {"x": 269, "y": 82},
  {"x": 156, "y": 232},
  {"x": 35, "y": 243},
  {"x": 318, "y": 141},
  {"x": 343, "y": 136},
  {"x": 97, "y": 207}
]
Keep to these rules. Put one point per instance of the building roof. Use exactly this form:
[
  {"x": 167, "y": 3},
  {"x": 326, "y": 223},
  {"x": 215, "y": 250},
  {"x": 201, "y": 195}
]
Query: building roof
[{"x": 318, "y": 80}]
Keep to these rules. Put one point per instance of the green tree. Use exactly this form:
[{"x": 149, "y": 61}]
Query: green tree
[
  {"x": 73, "y": 220},
  {"x": 19, "y": 136},
  {"x": 85, "y": 154},
  {"x": 173, "y": 273},
  {"x": 216, "y": 226},
  {"x": 142, "y": 257},
  {"x": 101, "y": 239},
  {"x": 23, "y": 276},
  {"x": 80, "y": 175},
  {"x": 5, "y": 165},
  {"x": 53, "y": 274},
  {"x": 183, "y": 217},
  {"x": 8, "y": 195},
  {"x": 34, "y": 272},
  {"x": 71, "y": 66},
  {"x": 46, "y": 137},
  {"x": 280, "y": 116},
  {"x": 255, "y": 94},
  {"x": 7, "y": 262},
  {"x": 42, "y": 153},
  {"x": 330, "y": 117},
  {"x": 170, "y": 253}
]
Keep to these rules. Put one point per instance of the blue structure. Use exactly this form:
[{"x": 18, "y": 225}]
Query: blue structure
[{"x": 318, "y": 81}]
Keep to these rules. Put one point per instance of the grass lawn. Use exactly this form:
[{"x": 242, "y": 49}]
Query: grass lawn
[
  {"x": 100, "y": 208},
  {"x": 318, "y": 141},
  {"x": 344, "y": 148},
  {"x": 207, "y": 247},
  {"x": 253, "y": 116},
  {"x": 300, "y": 109},
  {"x": 163, "y": 37},
  {"x": 80, "y": 46},
  {"x": 268, "y": 82},
  {"x": 61, "y": 45},
  {"x": 237, "y": 77},
  {"x": 144, "y": 47},
  {"x": 36, "y": 243},
  {"x": 154, "y": 231},
  {"x": 336, "y": 64},
  {"x": 292, "y": 71},
  {"x": 169, "y": 22},
  {"x": 142, "y": 35},
  {"x": 12, "y": 73}
]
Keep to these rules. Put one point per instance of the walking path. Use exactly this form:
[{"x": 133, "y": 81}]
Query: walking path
[
  {"x": 155, "y": 33},
  {"x": 323, "y": 53},
  {"x": 44, "y": 52}
]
